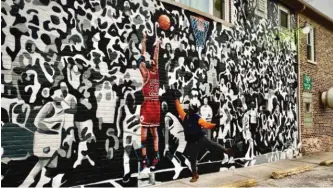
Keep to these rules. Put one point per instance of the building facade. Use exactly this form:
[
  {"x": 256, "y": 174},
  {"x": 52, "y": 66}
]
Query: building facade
[
  {"x": 316, "y": 77},
  {"x": 76, "y": 100}
]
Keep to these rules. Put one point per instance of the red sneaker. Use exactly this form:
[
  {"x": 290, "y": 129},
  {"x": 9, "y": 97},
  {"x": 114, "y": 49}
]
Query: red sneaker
[
  {"x": 144, "y": 164},
  {"x": 156, "y": 159}
]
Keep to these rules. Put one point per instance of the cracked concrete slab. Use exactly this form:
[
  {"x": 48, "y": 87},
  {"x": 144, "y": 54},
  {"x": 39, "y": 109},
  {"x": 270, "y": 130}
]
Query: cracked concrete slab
[
  {"x": 320, "y": 176},
  {"x": 210, "y": 180},
  {"x": 282, "y": 165},
  {"x": 318, "y": 158},
  {"x": 260, "y": 172}
]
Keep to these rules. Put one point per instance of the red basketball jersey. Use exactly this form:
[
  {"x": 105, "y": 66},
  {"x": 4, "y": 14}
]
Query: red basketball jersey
[{"x": 151, "y": 87}]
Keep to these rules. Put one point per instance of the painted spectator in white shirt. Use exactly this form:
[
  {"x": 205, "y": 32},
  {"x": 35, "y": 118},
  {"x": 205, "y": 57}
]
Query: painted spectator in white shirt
[{"x": 206, "y": 111}]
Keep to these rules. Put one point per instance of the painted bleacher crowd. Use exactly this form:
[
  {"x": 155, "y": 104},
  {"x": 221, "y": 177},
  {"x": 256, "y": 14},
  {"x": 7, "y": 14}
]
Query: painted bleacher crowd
[{"x": 76, "y": 80}]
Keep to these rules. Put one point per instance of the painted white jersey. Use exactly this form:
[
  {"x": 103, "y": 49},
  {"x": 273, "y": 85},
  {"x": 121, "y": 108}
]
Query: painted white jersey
[
  {"x": 206, "y": 112},
  {"x": 290, "y": 115},
  {"x": 253, "y": 116},
  {"x": 67, "y": 103}
]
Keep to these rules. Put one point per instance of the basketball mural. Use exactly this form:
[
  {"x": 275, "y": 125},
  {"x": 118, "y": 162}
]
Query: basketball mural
[
  {"x": 106, "y": 93},
  {"x": 164, "y": 22}
]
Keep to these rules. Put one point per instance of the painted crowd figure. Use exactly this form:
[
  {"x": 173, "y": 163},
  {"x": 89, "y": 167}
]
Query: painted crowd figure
[
  {"x": 150, "y": 108},
  {"x": 129, "y": 118},
  {"x": 51, "y": 119}
]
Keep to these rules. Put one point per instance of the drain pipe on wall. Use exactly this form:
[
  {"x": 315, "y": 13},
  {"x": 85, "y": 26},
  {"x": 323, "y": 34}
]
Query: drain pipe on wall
[{"x": 299, "y": 81}]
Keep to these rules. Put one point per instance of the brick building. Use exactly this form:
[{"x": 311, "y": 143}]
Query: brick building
[
  {"x": 316, "y": 60},
  {"x": 316, "y": 76}
]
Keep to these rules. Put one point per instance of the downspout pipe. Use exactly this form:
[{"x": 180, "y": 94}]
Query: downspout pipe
[{"x": 299, "y": 77}]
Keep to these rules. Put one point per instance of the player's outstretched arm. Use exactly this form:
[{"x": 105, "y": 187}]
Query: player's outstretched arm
[
  {"x": 143, "y": 44},
  {"x": 156, "y": 52},
  {"x": 180, "y": 110},
  {"x": 140, "y": 63},
  {"x": 142, "y": 67}
]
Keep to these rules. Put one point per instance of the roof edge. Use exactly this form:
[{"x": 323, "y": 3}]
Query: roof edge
[
  {"x": 316, "y": 11},
  {"x": 302, "y": 7}
]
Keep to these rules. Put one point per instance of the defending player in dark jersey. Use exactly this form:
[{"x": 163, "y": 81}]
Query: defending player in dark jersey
[{"x": 195, "y": 136}]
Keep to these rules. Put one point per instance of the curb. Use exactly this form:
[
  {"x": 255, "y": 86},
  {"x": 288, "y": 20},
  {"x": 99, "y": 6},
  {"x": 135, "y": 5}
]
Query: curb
[
  {"x": 292, "y": 171},
  {"x": 242, "y": 183},
  {"x": 327, "y": 162}
]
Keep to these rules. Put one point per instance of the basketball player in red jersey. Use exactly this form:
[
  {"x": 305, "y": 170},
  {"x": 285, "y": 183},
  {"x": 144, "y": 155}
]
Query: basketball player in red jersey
[{"x": 150, "y": 108}]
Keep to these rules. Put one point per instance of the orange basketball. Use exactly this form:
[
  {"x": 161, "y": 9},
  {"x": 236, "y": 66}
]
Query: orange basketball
[{"x": 164, "y": 22}]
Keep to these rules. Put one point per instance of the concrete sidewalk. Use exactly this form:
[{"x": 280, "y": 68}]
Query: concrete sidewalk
[{"x": 257, "y": 173}]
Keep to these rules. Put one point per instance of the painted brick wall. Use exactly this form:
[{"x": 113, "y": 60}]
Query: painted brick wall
[
  {"x": 319, "y": 136},
  {"x": 73, "y": 106}
]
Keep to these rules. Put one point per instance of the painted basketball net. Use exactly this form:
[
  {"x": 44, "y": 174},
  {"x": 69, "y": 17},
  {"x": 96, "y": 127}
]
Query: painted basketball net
[{"x": 200, "y": 29}]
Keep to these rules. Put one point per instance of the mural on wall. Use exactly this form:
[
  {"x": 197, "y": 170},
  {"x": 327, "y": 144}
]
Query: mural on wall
[{"x": 88, "y": 91}]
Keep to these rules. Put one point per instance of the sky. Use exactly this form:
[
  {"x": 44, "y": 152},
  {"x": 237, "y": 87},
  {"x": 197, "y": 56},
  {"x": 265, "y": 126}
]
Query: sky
[{"x": 325, "y": 6}]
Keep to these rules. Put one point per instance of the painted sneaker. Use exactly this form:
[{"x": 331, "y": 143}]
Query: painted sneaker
[
  {"x": 156, "y": 159},
  {"x": 231, "y": 160},
  {"x": 144, "y": 163},
  {"x": 225, "y": 159},
  {"x": 127, "y": 177},
  {"x": 178, "y": 169}
]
